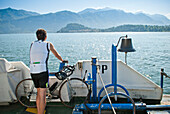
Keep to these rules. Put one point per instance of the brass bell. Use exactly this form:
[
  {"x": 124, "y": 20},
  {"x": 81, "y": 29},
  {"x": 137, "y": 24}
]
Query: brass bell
[{"x": 126, "y": 45}]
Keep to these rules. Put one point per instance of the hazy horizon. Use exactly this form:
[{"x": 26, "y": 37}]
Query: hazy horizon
[{"x": 52, "y": 6}]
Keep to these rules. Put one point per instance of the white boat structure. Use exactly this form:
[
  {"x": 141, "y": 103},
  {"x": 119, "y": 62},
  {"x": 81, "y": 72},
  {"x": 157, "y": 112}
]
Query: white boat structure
[{"x": 139, "y": 86}]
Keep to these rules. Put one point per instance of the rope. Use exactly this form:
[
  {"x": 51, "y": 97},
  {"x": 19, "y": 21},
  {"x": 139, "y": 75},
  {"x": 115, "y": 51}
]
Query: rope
[{"x": 106, "y": 90}]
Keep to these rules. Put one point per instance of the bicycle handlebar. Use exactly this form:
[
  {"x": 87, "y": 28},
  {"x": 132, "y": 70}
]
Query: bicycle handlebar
[
  {"x": 65, "y": 72},
  {"x": 65, "y": 61}
]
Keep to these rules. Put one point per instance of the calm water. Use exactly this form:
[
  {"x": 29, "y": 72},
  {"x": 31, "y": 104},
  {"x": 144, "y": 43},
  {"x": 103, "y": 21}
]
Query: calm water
[{"x": 152, "y": 50}]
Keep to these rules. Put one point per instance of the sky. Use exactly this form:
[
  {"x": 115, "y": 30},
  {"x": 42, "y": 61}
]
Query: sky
[{"x": 52, "y": 6}]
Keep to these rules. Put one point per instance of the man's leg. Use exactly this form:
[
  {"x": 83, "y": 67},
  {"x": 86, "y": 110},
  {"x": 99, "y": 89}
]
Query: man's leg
[
  {"x": 38, "y": 100},
  {"x": 42, "y": 100}
]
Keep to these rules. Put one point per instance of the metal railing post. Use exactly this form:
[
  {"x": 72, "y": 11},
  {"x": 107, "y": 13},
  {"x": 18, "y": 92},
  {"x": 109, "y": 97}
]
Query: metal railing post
[
  {"x": 94, "y": 74},
  {"x": 114, "y": 68}
]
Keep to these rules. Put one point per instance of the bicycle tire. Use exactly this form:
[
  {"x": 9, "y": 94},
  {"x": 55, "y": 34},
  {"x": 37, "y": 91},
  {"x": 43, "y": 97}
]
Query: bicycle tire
[
  {"x": 79, "y": 87},
  {"x": 26, "y": 93}
]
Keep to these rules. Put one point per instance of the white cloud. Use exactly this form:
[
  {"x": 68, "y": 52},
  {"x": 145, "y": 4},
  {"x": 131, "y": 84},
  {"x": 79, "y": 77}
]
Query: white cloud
[
  {"x": 139, "y": 11},
  {"x": 168, "y": 15}
]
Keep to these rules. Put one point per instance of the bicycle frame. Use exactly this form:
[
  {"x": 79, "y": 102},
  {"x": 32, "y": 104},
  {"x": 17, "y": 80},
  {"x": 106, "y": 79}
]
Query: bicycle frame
[
  {"x": 62, "y": 65},
  {"x": 57, "y": 86}
]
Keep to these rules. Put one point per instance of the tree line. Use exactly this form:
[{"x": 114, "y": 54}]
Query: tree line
[
  {"x": 74, "y": 27},
  {"x": 138, "y": 28}
]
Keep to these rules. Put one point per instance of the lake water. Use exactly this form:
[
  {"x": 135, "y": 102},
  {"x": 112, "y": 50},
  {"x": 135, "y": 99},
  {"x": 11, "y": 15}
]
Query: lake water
[{"x": 152, "y": 50}]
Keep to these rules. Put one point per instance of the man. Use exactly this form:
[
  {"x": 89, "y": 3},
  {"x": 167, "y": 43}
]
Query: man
[{"x": 39, "y": 53}]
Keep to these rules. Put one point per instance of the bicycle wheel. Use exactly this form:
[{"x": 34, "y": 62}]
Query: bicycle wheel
[
  {"x": 26, "y": 93},
  {"x": 73, "y": 91}
]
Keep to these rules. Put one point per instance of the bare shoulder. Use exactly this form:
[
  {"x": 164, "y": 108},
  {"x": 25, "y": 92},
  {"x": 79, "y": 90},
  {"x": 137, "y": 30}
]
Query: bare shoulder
[
  {"x": 47, "y": 42},
  {"x": 51, "y": 46},
  {"x": 32, "y": 42}
]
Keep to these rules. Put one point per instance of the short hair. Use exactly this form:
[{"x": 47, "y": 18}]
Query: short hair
[{"x": 41, "y": 34}]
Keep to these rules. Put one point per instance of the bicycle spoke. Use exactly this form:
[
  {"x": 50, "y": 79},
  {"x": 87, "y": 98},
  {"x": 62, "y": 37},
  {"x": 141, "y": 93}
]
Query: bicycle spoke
[
  {"x": 73, "y": 91},
  {"x": 26, "y": 93}
]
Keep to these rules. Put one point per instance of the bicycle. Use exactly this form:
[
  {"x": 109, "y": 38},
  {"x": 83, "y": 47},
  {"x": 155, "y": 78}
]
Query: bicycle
[{"x": 70, "y": 89}]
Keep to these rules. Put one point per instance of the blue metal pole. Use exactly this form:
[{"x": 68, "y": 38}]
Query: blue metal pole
[
  {"x": 90, "y": 82},
  {"x": 114, "y": 67},
  {"x": 110, "y": 85},
  {"x": 157, "y": 107},
  {"x": 162, "y": 78},
  {"x": 94, "y": 72},
  {"x": 118, "y": 106},
  {"x": 61, "y": 66}
]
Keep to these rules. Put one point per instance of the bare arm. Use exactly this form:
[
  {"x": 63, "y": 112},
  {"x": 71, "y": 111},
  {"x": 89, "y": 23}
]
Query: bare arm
[{"x": 56, "y": 54}]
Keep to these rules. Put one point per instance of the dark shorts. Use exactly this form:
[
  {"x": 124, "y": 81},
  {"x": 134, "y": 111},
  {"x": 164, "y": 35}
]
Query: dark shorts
[{"x": 40, "y": 80}]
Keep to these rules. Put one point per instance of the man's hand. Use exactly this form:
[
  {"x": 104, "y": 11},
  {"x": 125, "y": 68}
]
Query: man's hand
[{"x": 65, "y": 61}]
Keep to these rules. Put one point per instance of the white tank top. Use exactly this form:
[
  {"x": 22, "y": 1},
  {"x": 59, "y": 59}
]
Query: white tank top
[{"x": 39, "y": 53}]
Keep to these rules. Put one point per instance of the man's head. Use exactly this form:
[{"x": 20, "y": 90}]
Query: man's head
[{"x": 41, "y": 34}]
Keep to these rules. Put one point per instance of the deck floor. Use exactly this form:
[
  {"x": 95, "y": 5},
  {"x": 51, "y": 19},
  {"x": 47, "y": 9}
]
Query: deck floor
[
  {"x": 53, "y": 108},
  {"x": 165, "y": 100},
  {"x": 17, "y": 108}
]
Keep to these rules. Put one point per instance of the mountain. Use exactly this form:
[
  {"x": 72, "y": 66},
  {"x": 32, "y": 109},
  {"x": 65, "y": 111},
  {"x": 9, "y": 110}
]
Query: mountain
[
  {"x": 12, "y": 14},
  {"x": 21, "y": 21},
  {"x": 91, "y": 10},
  {"x": 111, "y": 17},
  {"x": 161, "y": 18},
  {"x": 51, "y": 22}
]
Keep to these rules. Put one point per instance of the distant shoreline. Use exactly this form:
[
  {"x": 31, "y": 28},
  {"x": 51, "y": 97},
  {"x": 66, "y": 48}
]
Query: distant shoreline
[{"x": 78, "y": 28}]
